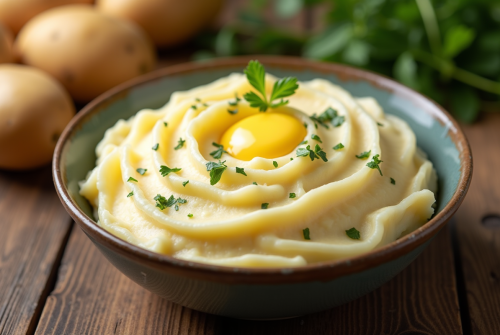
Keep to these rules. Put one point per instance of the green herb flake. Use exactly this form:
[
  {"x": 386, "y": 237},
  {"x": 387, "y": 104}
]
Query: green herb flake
[
  {"x": 194, "y": 107},
  {"x": 165, "y": 170},
  {"x": 181, "y": 201},
  {"x": 305, "y": 125},
  {"x": 303, "y": 142},
  {"x": 232, "y": 112},
  {"x": 353, "y": 233},
  {"x": 256, "y": 76},
  {"x": 380, "y": 124},
  {"x": 254, "y": 183},
  {"x": 132, "y": 179},
  {"x": 292, "y": 195},
  {"x": 291, "y": 158},
  {"x": 241, "y": 171},
  {"x": 338, "y": 146},
  {"x": 180, "y": 143},
  {"x": 316, "y": 138},
  {"x": 216, "y": 170},
  {"x": 317, "y": 153},
  {"x": 220, "y": 150},
  {"x": 364, "y": 155},
  {"x": 141, "y": 171},
  {"x": 165, "y": 124},
  {"x": 264, "y": 205},
  {"x": 236, "y": 100},
  {"x": 162, "y": 202},
  {"x": 197, "y": 99},
  {"x": 275, "y": 164},
  {"x": 130, "y": 194},
  {"x": 374, "y": 164},
  {"x": 338, "y": 121},
  {"x": 176, "y": 207},
  {"x": 184, "y": 183},
  {"x": 190, "y": 215},
  {"x": 305, "y": 233},
  {"x": 155, "y": 147},
  {"x": 393, "y": 182}
]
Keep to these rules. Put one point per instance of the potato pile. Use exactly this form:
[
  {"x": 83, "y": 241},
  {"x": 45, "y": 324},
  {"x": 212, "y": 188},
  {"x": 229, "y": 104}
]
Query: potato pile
[{"x": 73, "y": 49}]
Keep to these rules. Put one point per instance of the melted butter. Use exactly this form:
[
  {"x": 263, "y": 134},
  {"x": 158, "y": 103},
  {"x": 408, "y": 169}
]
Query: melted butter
[{"x": 267, "y": 135}]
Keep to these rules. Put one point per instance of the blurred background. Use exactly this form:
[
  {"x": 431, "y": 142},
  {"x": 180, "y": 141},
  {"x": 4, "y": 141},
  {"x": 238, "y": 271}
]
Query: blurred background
[{"x": 449, "y": 50}]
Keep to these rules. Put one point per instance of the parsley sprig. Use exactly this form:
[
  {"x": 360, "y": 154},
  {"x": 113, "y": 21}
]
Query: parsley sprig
[
  {"x": 353, "y": 233},
  {"x": 180, "y": 144},
  {"x": 216, "y": 170},
  {"x": 256, "y": 76},
  {"x": 165, "y": 170},
  {"x": 220, "y": 150},
  {"x": 330, "y": 115},
  {"x": 317, "y": 153},
  {"x": 374, "y": 164}
]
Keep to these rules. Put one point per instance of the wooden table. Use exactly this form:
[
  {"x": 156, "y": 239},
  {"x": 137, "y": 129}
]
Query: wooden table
[{"x": 54, "y": 281}]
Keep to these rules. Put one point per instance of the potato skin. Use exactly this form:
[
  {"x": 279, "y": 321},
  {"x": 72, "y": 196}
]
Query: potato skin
[
  {"x": 34, "y": 109},
  {"x": 87, "y": 51},
  {"x": 6, "y": 45},
  {"x": 15, "y": 13},
  {"x": 168, "y": 22}
]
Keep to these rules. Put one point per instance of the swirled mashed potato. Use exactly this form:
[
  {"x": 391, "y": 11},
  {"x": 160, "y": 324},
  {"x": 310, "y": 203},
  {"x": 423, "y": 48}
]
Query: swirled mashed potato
[{"x": 228, "y": 223}]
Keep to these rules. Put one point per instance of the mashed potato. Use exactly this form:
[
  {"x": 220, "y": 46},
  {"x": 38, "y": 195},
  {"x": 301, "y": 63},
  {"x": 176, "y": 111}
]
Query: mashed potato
[{"x": 358, "y": 183}]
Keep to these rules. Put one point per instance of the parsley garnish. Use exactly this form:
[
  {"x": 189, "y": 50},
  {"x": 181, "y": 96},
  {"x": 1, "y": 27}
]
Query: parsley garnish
[
  {"x": 338, "y": 120},
  {"x": 180, "y": 144},
  {"x": 130, "y": 194},
  {"x": 364, "y": 155},
  {"x": 181, "y": 201},
  {"x": 291, "y": 158},
  {"x": 380, "y": 124},
  {"x": 374, "y": 163},
  {"x": 234, "y": 111},
  {"x": 353, "y": 233},
  {"x": 141, "y": 171},
  {"x": 316, "y": 138},
  {"x": 132, "y": 179},
  {"x": 393, "y": 182},
  {"x": 317, "y": 153},
  {"x": 162, "y": 202},
  {"x": 220, "y": 150},
  {"x": 329, "y": 115},
  {"x": 305, "y": 232},
  {"x": 292, "y": 195},
  {"x": 184, "y": 183},
  {"x": 254, "y": 183},
  {"x": 165, "y": 124},
  {"x": 155, "y": 147},
  {"x": 190, "y": 215},
  {"x": 305, "y": 125},
  {"x": 216, "y": 170},
  {"x": 303, "y": 142},
  {"x": 338, "y": 146},
  {"x": 165, "y": 170},
  {"x": 194, "y": 107},
  {"x": 256, "y": 76},
  {"x": 275, "y": 164},
  {"x": 264, "y": 205},
  {"x": 241, "y": 171},
  {"x": 197, "y": 99},
  {"x": 236, "y": 100}
]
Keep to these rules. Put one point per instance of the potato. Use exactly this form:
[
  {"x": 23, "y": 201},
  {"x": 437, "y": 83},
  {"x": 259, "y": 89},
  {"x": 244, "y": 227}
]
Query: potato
[
  {"x": 15, "y": 13},
  {"x": 34, "y": 109},
  {"x": 87, "y": 51},
  {"x": 168, "y": 22},
  {"x": 6, "y": 41}
]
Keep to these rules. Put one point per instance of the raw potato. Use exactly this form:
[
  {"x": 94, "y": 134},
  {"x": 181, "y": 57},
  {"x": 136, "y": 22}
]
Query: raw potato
[
  {"x": 87, "y": 51},
  {"x": 6, "y": 49},
  {"x": 34, "y": 109},
  {"x": 15, "y": 13},
  {"x": 168, "y": 22}
]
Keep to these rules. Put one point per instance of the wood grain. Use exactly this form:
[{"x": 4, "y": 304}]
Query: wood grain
[
  {"x": 92, "y": 297},
  {"x": 480, "y": 246},
  {"x": 33, "y": 230}
]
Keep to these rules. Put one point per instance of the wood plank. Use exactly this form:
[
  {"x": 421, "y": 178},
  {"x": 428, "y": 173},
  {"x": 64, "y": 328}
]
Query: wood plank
[
  {"x": 92, "y": 297},
  {"x": 479, "y": 244},
  {"x": 33, "y": 230}
]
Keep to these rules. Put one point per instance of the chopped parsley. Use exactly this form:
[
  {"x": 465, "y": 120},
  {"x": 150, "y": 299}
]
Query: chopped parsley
[
  {"x": 317, "y": 153},
  {"x": 155, "y": 147},
  {"x": 254, "y": 183},
  {"x": 176, "y": 207},
  {"x": 292, "y": 195},
  {"x": 181, "y": 201},
  {"x": 338, "y": 146},
  {"x": 190, "y": 215},
  {"x": 305, "y": 232},
  {"x": 130, "y": 194},
  {"x": 374, "y": 164},
  {"x": 291, "y": 158},
  {"x": 132, "y": 179},
  {"x": 264, "y": 205},
  {"x": 236, "y": 100},
  {"x": 184, "y": 183},
  {"x": 234, "y": 111},
  {"x": 141, "y": 171},
  {"x": 197, "y": 99},
  {"x": 216, "y": 170},
  {"x": 303, "y": 142},
  {"x": 275, "y": 164},
  {"x": 305, "y": 125},
  {"x": 364, "y": 155},
  {"x": 256, "y": 76},
  {"x": 241, "y": 171},
  {"x": 330, "y": 115},
  {"x": 220, "y": 150},
  {"x": 380, "y": 124},
  {"x": 162, "y": 202},
  {"x": 180, "y": 143},
  {"x": 316, "y": 138},
  {"x": 353, "y": 233},
  {"x": 393, "y": 182},
  {"x": 194, "y": 107},
  {"x": 165, "y": 124},
  {"x": 165, "y": 170},
  {"x": 338, "y": 120}
]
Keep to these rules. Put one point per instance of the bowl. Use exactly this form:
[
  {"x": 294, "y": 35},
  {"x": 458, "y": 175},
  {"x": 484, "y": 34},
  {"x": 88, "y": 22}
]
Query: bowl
[{"x": 257, "y": 293}]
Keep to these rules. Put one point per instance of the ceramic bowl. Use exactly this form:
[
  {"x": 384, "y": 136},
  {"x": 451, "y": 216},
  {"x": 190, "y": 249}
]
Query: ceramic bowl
[{"x": 275, "y": 292}]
